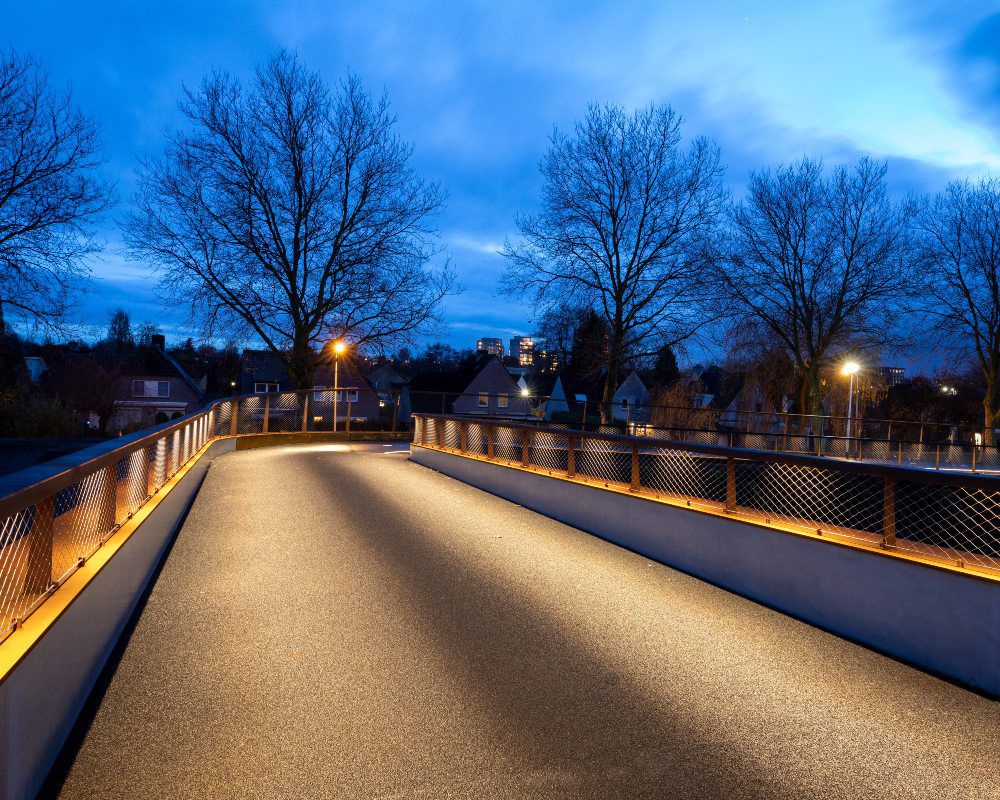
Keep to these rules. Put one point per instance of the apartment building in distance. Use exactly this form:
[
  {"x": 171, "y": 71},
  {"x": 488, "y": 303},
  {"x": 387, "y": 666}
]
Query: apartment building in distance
[
  {"x": 490, "y": 345},
  {"x": 522, "y": 350}
]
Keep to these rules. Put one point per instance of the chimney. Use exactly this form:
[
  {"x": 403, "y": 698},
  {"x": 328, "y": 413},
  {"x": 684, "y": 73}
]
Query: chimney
[{"x": 158, "y": 340}]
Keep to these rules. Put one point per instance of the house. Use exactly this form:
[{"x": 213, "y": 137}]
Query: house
[
  {"x": 390, "y": 385},
  {"x": 153, "y": 387},
  {"x": 265, "y": 372},
  {"x": 480, "y": 386},
  {"x": 631, "y": 402},
  {"x": 123, "y": 391}
]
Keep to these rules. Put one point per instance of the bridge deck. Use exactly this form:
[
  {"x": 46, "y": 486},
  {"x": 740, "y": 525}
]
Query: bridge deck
[{"x": 349, "y": 624}]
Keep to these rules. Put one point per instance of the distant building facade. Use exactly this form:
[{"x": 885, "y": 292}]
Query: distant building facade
[
  {"x": 522, "y": 350},
  {"x": 493, "y": 346},
  {"x": 893, "y": 376}
]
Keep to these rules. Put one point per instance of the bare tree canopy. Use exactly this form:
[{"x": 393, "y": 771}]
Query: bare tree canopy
[
  {"x": 51, "y": 190},
  {"x": 626, "y": 227},
  {"x": 291, "y": 213},
  {"x": 821, "y": 262},
  {"x": 960, "y": 255}
]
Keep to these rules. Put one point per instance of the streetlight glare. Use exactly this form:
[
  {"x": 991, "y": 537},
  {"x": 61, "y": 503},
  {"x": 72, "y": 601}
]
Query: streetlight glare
[
  {"x": 850, "y": 368},
  {"x": 525, "y": 392},
  {"x": 339, "y": 347}
]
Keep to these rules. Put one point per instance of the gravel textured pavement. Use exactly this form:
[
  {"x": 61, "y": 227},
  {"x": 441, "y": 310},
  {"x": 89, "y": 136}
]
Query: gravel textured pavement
[{"x": 335, "y": 624}]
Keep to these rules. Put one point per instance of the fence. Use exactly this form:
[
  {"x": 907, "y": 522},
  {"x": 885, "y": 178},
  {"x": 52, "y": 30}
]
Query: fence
[
  {"x": 941, "y": 516},
  {"x": 918, "y": 444}
]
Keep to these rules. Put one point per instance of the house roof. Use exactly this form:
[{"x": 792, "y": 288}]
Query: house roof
[
  {"x": 387, "y": 375},
  {"x": 453, "y": 381},
  {"x": 266, "y": 366},
  {"x": 427, "y": 388},
  {"x": 149, "y": 362}
]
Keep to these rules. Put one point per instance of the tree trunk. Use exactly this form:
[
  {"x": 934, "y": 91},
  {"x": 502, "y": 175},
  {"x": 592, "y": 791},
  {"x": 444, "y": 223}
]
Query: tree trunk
[
  {"x": 610, "y": 385},
  {"x": 812, "y": 390},
  {"x": 991, "y": 412},
  {"x": 302, "y": 364}
]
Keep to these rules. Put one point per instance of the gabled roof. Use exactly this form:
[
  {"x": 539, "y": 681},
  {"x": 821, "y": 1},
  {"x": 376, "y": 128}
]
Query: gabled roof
[
  {"x": 426, "y": 389},
  {"x": 453, "y": 381},
  {"x": 149, "y": 362}
]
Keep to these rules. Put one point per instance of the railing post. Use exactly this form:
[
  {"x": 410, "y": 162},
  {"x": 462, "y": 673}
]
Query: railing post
[
  {"x": 570, "y": 456},
  {"x": 730, "y": 484},
  {"x": 348, "y": 427},
  {"x": 440, "y": 433},
  {"x": 232, "y": 417},
  {"x": 267, "y": 413},
  {"x": 395, "y": 409},
  {"x": 937, "y": 457},
  {"x": 39, "y": 575},
  {"x": 463, "y": 437},
  {"x": 889, "y": 513},
  {"x": 634, "y": 484},
  {"x": 525, "y": 448},
  {"x": 151, "y": 469},
  {"x": 305, "y": 413},
  {"x": 490, "y": 436},
  {"x": 899, "y": 457},
  {"x": 974, "y": 448}
]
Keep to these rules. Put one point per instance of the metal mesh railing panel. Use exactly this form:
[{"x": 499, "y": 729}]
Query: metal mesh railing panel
[
  {"x": 948, "y": 522},
  {"x": 476, "y": 439},
  {"x": 25, "y": 568},
  {"x": 506, "y": 444},
  {"x": 837, "y": 502},
  {"x": 548, "y": 451},
  {"x": 682, "y": 475},
  {"x": 452, "y": 434},
  {"x": 604, "y": 460},
  {"x": 286, "y": 412},
  {"x": 223, "y": 418},
  {"x": 250, "y": 416}
]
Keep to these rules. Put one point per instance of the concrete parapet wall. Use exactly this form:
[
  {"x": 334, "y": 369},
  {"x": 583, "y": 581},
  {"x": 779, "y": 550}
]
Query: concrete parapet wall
[
  {"x": 938, "y": 619},
  {"x": 43, "y": 693}
]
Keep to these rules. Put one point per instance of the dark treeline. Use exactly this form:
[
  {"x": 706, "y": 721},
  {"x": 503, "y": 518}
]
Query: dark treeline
[{"x": 286, "y": 210}]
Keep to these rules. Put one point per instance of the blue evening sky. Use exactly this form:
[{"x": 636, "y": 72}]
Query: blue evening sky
[{"x": 477, "y": 87}]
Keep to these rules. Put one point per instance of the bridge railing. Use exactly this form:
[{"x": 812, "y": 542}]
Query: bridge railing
[
  {"x": 56, "y": 516},
  {"x": 50, "y": 527},
  {"x": 945, "y": 517}
]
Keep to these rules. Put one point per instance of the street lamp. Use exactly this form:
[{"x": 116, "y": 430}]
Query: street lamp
[
  {"x": 338, "y": 348},
  {"x": 850, "y": 368}
]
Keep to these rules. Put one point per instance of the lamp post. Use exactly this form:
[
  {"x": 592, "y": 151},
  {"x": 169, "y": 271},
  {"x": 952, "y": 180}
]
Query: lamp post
[
  {"x": 850, "y": 368},
  {"x": 338, "y": 348}
]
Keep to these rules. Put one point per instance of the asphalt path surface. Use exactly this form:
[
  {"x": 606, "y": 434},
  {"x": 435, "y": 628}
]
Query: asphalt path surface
[{"x": 348, "y": 624}]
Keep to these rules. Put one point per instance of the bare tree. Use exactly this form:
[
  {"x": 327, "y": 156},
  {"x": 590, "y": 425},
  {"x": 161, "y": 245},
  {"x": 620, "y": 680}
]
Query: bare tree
[
  {"x": 626, "y": 227},
  {"x": 291, "y": 214},
  {"x": 821, "y": 262},
  {"x": 960, "y": 256},
  {"x": 50, "y": 193}
]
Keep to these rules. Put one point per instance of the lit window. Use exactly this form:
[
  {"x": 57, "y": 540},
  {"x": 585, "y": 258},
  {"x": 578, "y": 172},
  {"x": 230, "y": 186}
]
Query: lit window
[
  {"x": 484, "y": 399},
  {"x": 501, "y": 401},
  {"x": 151, "y": 388}
]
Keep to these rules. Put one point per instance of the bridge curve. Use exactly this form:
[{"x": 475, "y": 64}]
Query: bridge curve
[{"x": 336, "y": 621}]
